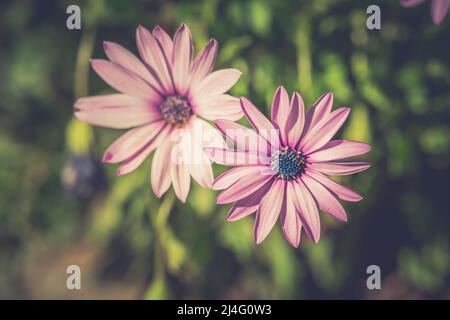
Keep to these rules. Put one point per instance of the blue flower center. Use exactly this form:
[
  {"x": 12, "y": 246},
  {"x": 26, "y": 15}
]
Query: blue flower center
[
  {"x": 176, "y": 110},
  {"x": 288, "y": 163}
]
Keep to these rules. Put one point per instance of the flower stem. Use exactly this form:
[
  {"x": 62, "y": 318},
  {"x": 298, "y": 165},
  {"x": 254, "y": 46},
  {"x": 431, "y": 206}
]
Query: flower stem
[{"x": 157, "y": 288}]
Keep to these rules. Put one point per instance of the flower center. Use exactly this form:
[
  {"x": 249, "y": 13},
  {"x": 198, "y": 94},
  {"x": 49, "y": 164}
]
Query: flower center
[
  {"x": 288, "y": 163},
  {"x": 176, "y": 110}
]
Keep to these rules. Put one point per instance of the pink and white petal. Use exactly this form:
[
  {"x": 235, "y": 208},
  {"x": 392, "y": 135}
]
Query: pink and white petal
[
  {"x": 210, "y": 137},
  {"x": 249, "y": 204},
  {"x": 324, "y": 130},
  {"x": 229, "y": 177},
  {"x": 242, "y": 188},
  {"x": 439, "y": 9},
  {"x": 411, "y": 3},
  {"x": 325, "y": 199},
  {"x": 290, "y": 220},
  {"x": 339, "y": 168},
  {"x": 124, "y": 81},
  {"x": 131, "y": 142},
  {"x": 182, "y": 58},
  {"x": 160, "y": 174},
  {"x": 181, "y": 179},
  {"x": 203, "y": 64},
  {"x": 152, "y": 54},
  {"x": 121, "y": 56},
  {"x": 199, "y": 165},
  {"x": 229, "y": 157},
  {"x": 216, "y": 107},
  {"x": 339, "y": 149},
  {"x": 164, "y": 41},
  {"x": 269, "y": 211},
  {"x": 260, "y": 123},
  {"x": 320, "y": 110},
  {"x": 242, "y": 138},
  {"x": 119, "y": 111},
  {"x": 136, "y": 160},
  {"x": 217, "y": 82},
  {"x": 295, "y": 121},
  {"x": 281, "y": 111},
  {"x": 340, "y": 191},
  {"x": 307, "y": 209}
]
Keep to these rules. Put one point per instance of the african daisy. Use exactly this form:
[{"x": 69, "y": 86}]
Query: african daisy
[
  {"x": 281, "y": 168},
  {"x": 164, "y": 99},
  {"x": 439, "y": 8}
]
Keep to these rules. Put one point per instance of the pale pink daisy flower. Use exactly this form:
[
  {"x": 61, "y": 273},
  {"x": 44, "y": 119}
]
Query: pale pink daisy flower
[
  {"x": 161, "y": 95},
  {"x": 281, "y": 168},
  {"x": 439, "y": 8}
]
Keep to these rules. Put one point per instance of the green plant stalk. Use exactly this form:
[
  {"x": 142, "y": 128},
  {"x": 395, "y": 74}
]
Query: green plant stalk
[{"x": 156, "y": 288}]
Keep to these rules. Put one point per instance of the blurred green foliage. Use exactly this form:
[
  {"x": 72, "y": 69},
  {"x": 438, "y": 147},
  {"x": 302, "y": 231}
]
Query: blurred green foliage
[{"x": 60, "y": 206}]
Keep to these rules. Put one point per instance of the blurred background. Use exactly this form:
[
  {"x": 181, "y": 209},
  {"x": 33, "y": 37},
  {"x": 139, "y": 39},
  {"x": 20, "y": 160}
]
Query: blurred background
[{"x": 59, "y": 205}]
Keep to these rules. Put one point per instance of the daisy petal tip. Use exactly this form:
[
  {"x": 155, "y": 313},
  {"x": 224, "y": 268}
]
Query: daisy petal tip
[
  {"x": 156, "y": 29},
  {"x": 107, "y": 157},
  {"x": 120, "y": 172}
]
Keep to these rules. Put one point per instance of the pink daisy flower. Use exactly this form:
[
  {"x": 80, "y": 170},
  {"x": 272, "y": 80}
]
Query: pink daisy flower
[
  {"x": 165, "y": 99},
  {"x": 280, "y": 170},
  {"x": 439, "y": 8}
]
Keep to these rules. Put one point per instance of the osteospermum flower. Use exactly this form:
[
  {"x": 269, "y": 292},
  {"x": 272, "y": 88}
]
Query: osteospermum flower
[
  {"x": 280, "y": 170},
  {"x": 439, "y": 8},
  {"x": 166, "y": 93}
]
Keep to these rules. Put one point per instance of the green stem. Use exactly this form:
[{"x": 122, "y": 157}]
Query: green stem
[
  {"x": 81, "y": 78},
  {"x": 303, "y": 43},
  {"x": 156, "y": 288}
]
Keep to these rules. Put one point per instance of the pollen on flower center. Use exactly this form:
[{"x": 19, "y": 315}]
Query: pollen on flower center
[
  {"x": 288, "y": 163},
  {"x": 176, "y": 110}
]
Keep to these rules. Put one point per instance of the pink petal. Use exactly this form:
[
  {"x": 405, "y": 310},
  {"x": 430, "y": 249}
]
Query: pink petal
[
  {"x": 339, "y": 168},
  {"x": 320, "y": 110},
  {"x": 249, "y": 204},
  {"x": 269, "y": 211},
  {"x": 281, "y": 112},
  {"x": 123, "y": 80},
  {"x": 164, "y": 41},
  {"x": 118, "y": 111},
  {"x": 160, "y": 172},
  {"x": 296, "y": 120},
  {"x": 229, "y": 177},
  {"x": 242, "y": 188},
  {"x": 324, "y": 130},
  {"x": 338, "y": 149},
  {"x": 180, "y": 179},
  {"x": 209, "y": 136},
  {"x": 136, "y": 160},
  {"x": 439, "y": 9},
  {"x": 260, "y": 123},
  {"x": 199, "y": 164},
  {"x": 340, "y": 191},
  {"x": 182, "y": 58},
  {"x": 305, "y": 205},
  {"x": 131, "y": 142},
  {"x": 152, "y": 54},
  {"x": 290, "y": 220},
  {"x": 216, "y": 107},
  {"x": 217, "y": 82},
  {"x": 121, "y": 56},
  {"x": 326, "y": 201},
  {"x": 203, "y": 64},
  {"x": 411, "y": 3},
  {"x": 229, "y": 157},
  {"x": 242, "y": 138}
]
